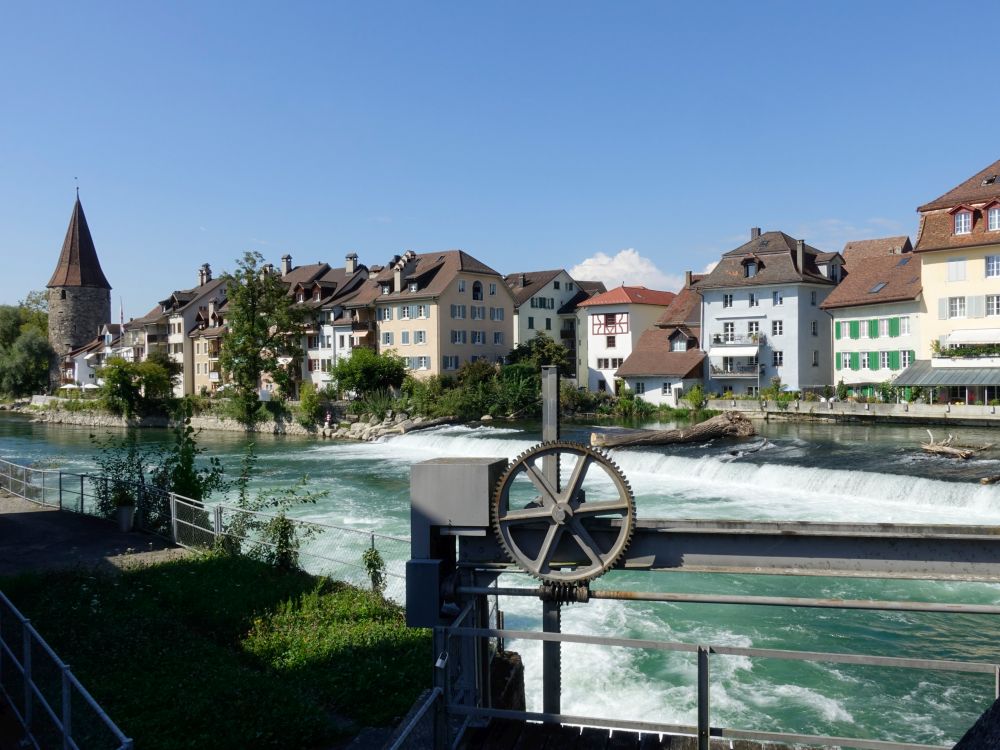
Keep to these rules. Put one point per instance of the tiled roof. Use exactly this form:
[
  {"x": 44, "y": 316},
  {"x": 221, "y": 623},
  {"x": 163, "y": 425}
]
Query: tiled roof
[
  {"x": 685, "y": 310},
  {"x": 895, "y": 278},
  {"x": 179, "y": 300},
  {"x": 630, "y": 295},
  {"x": 587, "y": 290},
  {"x": 78, "y": 264},
  {"x": 878, "y": 248},
  {"x": 652, "y": 357},
  {"x": 524, "y": 285},
  {"x": 305, "y": 274},
  {"x": 937, "y": 232},
  {"x": 432, "y": 272},
  {"x": 982, "y": 186},
  {"x": 153, "y": 316},
  {"x": 775, "y": 253},
  {"x": 592, "y": 287}
]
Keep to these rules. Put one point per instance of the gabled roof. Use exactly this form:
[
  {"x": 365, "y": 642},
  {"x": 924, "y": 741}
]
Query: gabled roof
[
  {"x": 179, "y": 300},
  {"x": 982, "y": 186},
  {"x": 153, "y": 316},
  {"x": 432, "y": 273},
  {"x": 652, "y": 358},
  {"x": 776, "y": 252},
  {"x": 305, "y": 274},
  {"x": 587, "y": 289},
  {"x": 685, "y": 310},
  {"x": 877, "y": 280},
  {"x": 527, "y": 283},
  {"x": 877, "y": 248},
  {"x": 78, "y": 264},
  {"x": 630, "y": 295}
]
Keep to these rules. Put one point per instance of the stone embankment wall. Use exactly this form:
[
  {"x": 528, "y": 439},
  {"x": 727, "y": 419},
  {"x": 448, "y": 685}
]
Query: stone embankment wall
[
  {"x": 847, "y": 411},
  {"x": 353, "y": 427}
]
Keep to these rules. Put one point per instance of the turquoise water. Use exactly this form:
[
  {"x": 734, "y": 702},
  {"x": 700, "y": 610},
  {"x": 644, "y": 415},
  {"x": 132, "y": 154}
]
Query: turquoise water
[{"x": 807, "y": 472}]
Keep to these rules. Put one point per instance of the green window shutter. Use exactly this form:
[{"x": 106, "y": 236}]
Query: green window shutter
[
  {"x": 913, "y": 356},
  {"x": 893, "y": 327},
  {"x": 873, "y": 329},
  {"x": 836, "y": 334},
  {"x": 836, "y": 356},
  {"x": 872, "y": 360},
  {"x": 894, "y": 360},
  {"x": 855, "y": 329},
  {"x": 855, "y": 360}
]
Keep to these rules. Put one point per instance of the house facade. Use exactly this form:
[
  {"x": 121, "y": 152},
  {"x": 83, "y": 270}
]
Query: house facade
[
  {"x": 876, "y": 313},
  {"x": 209, "y": 330},
  {"x": 762, "y": 316},
  {"x": 959, "y": 251},
  {"x": 180, "y": 311},
  {"x": 667, "y": 360},
  {"x": 613, "y": 323}
]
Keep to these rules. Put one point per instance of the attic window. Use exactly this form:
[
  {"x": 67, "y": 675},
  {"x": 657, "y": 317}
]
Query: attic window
[
  {"x": 877, "y": 288},
  {"x": 989, "y": 180},
  {"x": 963, "y": 222},
  {"x": 903, "y": 262},
  {"x": 386, "y": 289},
  {"x": 412, "y": 286},
  {"x": 764, "y": 243},
  {"x": 749, "y": 268}
]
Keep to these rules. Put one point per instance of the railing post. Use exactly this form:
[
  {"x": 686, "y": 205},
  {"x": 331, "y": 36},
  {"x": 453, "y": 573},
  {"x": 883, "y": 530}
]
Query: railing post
[
  {"x": 26, "y": 665},
  {"x": 60, "y": 489},
  {"x": 441, "y": 733},
  {"x": 996, "y": 681},
  {"x": 81, "y": 494},
  {"x": 217, "y": 521},
  {"x": 67, "y": 709},
  {"x": 173, "y": 518},
  {"x": 704, "y": 726},
  {"x": 43, "y": 487}
]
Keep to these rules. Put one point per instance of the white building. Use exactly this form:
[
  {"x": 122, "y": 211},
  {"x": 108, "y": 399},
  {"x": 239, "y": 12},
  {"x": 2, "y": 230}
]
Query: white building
[
  {"x": 180, "y": 310},
  {"x": 614, "y": 322},
  {"x": 762, "y": 317}
]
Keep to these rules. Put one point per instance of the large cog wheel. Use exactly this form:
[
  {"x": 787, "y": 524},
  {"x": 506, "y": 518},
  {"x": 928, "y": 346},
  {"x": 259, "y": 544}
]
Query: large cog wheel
[{"x": 547, "y": 532}]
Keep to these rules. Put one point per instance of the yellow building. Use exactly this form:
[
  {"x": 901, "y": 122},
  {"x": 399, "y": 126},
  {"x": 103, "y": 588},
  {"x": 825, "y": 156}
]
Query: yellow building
[{"x": 959, "y": 250}]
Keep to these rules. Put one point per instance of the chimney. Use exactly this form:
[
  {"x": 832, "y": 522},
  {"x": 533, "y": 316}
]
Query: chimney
[
  {"x": 397, "y": 277},
  {"x": 286, "y": 264},
  {"x": 204, "y": 274},
  {"x": 754, "y": 233},
  {"x": 521, "y": 279},
  {"x": 687, "y": 279},
  {"x": 211, "y": 309},
  {"x": 800, "y": 248},
  {"x": 351, "y": 263}
]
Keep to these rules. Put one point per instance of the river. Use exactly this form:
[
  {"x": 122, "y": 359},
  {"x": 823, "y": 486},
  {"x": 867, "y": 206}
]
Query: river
[{"x": 817, "y": 472}]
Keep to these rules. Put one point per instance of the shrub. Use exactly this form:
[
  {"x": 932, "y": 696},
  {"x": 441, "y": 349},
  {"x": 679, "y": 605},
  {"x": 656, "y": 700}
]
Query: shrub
[
  {"x": 308, "y": 413},
  {"x": 842, "y": 390},
  {"x": 695, "y": 398}
]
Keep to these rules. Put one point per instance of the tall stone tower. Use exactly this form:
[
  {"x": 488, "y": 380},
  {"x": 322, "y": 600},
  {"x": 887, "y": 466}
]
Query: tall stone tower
[{"x": 79, "y": 293}]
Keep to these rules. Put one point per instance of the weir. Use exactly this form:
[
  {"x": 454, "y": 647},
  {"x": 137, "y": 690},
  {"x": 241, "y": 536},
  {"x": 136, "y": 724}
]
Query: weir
[{"x": 564, "y": 514}]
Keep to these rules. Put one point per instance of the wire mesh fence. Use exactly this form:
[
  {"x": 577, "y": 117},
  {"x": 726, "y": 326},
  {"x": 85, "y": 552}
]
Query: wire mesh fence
[{"x": 47, "y": 699}]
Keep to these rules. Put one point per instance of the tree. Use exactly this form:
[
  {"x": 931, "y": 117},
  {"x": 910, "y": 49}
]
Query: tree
[
  {"x": 265, "y": 330},
  {"x": 134, "y": 388},
  {"x": 24, "y": 365},
  {"x": 365, "y": 371},
  {"x": 542, "y": 350},
  {"x": 178, "y": 471}
]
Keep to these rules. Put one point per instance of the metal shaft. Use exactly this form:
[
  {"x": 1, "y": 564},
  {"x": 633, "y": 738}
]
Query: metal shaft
[{"x": 551, "y": 613}]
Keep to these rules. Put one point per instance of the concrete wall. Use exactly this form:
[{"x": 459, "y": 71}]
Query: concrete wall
[{"x": 848, "y": 410}]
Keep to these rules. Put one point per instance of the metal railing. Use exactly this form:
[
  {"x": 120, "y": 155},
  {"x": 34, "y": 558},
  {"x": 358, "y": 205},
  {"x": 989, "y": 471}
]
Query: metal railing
[
  {"x": 461, "y": 701},
  {"x": 54, "y": 708}
]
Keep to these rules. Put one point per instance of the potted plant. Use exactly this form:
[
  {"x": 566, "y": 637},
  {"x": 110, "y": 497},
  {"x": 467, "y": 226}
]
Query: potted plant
[{"x": 124, "y": 507}]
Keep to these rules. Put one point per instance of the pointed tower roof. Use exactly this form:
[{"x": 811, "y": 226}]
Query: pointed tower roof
[{"x": 78, "y": 264}]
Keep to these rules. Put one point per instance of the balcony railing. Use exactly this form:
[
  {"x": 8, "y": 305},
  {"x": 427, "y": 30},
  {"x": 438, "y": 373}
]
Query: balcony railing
[
  {"x": 732, "y": 339},
  {"x": 736, "y": 371}
]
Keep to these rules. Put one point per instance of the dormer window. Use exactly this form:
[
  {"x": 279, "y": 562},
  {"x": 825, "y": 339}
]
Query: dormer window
[
  {"x": 750, "y": 269},
  {"x": 963, "y": 222},
  {"x": 386, "y": 289},
  {"x": 994, "y": 219},
  {"x": 300, "y": 297},
  {"x": 316, "y": 295},
  {"x": 679, "y": 344},
  {"x": 412, "y": 286}
]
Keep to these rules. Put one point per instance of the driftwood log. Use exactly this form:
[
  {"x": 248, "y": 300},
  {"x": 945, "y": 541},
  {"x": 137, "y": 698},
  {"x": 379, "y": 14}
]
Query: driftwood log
[
  {"x": 952, "y": 449},
  {"x": 728, "y": 424},
  {"x": 990, "y": 480}
]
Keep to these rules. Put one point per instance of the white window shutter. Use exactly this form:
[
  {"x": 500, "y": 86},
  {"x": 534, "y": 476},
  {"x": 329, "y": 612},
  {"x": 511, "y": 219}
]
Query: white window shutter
[
  {"x": 942, "y": 308},
  {"x": 977, "y": 306}
]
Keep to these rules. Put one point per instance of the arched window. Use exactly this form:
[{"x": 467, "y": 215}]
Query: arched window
[{"x": 477, "y": 290}]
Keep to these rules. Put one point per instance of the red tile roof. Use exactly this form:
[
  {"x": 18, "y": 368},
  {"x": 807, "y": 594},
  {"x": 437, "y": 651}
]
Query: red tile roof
[
  {"x": 982, "y": 186},
  {"x": 900, "y": 275},
  {"x": 630, "y": 295},
  {"x": 878, "y": 248},
  {"x": 652, "y": 357}
]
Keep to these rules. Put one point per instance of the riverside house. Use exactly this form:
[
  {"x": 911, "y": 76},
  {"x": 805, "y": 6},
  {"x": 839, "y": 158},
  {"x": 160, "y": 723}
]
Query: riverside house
[
  {"x": 958, "y": 247},
  {"x": 877, "y": 310},
  {"x": 761, "y": 315},
  {"x": 180, "y": 310},
  {"x": 613, "y": 322}
]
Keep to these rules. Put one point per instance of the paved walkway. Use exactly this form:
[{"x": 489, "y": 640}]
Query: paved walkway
[{"x": 33, "y": 537}]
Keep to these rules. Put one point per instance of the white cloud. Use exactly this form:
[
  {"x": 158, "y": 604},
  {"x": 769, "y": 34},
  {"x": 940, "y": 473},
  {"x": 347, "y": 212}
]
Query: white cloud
[{"x": 630, "y": 268}]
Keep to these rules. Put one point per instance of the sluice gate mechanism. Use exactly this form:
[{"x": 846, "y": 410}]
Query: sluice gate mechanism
[{"x": 564, "y": 514}]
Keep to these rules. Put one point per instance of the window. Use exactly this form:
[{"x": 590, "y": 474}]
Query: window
[
  {"x": 548, "y": 324},
  {"x": 461, "y": 286},
  {"x": 777, "y": 327},
  {"x": 665, "y": 389},
  {"x": 904, "y": 357},
  {"x": 387, "y": 338},
  {"x": 569, "y": 286},
  {"x": 449, "y": 362},
  {"x": 904, "y": 325},
  {"x": 815, "y": 358},
  {"x": 729, "y": 332},
  {"x": 493, "y": 289},
  {"x": 458, "y": 312},
  {"x": 727, "y": 300},
  {"x": 750, "y": 270},
  {"x": 555, "y": 284},
  {"x": 883, "y": 326},
  {"x": 640, "y": 385},
  {"x": 498, "y": 338},
  {"x": 610, "y": 319},
  {"x": 477, "y": 290},
  {"x": 404, "y": 337},
  {"x": 994, "y": 219},
  {"x": 812, "y": 298},
  {"x": 883, "y": 360},
  {"x": 386, "y": 289},
  {"x": 531, "y": 323},
  {"x": 865, "y": 359},
  {"x": 404, "y": 312},
  {"x": 385, "y": 313},
  {"x": 479, "y": 337},
  {"x": 956, "y": 307},
  {"x": 752, "y": 391},
  {"x": 814, "y": 328},
  {"x": 458, "y": 337},
  {"x": 754, "y": 299},
  {"x": 992, "y": 266},
  {"x": 420, "y": 337},
  {"x": 956, "y": 269},
  {"x": 610, "y": 342},
  {"x": 778, "y": 298},
  {"x": 993, "y": 304},
  {"x": 753, "y": 328},
  {"x": 679, "y": 344},
  {"x": 863, "y": 333},
  {"x": 300, "y": 297},
  {"x": 777, "y": 358},
  {"x": 616, "y": 362},
  {"x": 496, "y": 313},
  {"x": 963, "y": 222},
  {"x": 478, "y": 311},
  {"x": 341, "y": 341},
  {"x": 412, "y": 286}
]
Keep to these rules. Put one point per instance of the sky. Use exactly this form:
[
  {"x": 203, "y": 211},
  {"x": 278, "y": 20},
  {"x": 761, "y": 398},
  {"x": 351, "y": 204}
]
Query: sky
[{"x": 625, "y": 141}]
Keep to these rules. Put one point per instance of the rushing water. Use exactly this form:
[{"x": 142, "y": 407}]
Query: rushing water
[{"x": 794, "y": 472}]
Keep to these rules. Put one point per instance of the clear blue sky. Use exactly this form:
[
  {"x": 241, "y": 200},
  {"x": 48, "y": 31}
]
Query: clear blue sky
[{"x": 533, "y": 135}]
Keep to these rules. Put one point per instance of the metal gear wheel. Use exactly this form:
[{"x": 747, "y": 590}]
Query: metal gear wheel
[{"x": 549, "y": 534}]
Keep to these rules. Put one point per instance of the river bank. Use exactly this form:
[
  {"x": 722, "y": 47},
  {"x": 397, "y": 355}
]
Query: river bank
[{"x": 869, "y": 413}]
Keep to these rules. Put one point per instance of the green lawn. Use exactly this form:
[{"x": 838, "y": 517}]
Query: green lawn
[{"x": 221, "y": 652}]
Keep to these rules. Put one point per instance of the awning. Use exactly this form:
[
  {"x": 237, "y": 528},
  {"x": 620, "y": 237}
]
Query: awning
[
  {"x": 921, "y": 373},
  {"x": 974, "y": 336},
  {"x": 733, "y": 351}
]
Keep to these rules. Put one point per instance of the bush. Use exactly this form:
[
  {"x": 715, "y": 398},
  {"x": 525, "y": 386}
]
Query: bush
[
  {"x": 695, "y": 398},
  {"x": 379, "y": 403},
  {"x": 366, "y": 371},
  {"x": 310, "y": 406},
  {"x": 842, "y": 390}
]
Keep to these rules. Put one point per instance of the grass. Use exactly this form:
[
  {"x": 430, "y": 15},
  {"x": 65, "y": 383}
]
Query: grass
[{"x": 225, "y": 652}]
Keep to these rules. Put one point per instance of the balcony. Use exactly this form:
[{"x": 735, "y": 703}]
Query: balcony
[
  {"x": 751, "y": 372},
  {"x": 732, "y": 339},
  {"x": 362, "y": 325}
]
